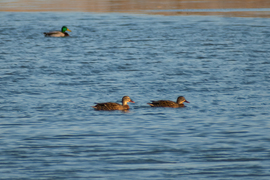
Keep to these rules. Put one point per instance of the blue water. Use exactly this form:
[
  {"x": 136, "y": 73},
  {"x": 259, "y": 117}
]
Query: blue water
[{"x": 48, "y": 129}]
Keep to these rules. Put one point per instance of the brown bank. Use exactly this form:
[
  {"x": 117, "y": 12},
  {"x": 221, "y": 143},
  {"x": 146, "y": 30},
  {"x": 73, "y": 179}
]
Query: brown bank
[{"x": 239, "y": 8}]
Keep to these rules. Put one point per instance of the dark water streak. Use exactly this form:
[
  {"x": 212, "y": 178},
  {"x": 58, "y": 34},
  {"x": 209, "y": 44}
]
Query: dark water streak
[{"x": 48, "y": 85}]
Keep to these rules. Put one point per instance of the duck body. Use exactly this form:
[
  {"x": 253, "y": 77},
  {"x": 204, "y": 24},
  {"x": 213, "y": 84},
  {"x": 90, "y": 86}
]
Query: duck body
[
  {"x": 56, "y": 34},
  {"x": 168, "y": 103},
  {"x": 61, "y": 33},
  {"x": 165, "y": 103},
  {"x": 111, "y": 106}
]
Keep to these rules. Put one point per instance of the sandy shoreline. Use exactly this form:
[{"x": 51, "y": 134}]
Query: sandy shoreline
[{"x": 240, "y": 8}]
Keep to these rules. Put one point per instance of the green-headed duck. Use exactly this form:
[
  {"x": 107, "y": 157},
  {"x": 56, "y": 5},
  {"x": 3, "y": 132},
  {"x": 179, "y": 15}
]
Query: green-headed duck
[{"x": 61, "y": 33}]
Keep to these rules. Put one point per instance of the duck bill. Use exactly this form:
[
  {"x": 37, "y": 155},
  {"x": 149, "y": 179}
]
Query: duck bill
[
  {"x": 68, "y": 30},
  {"x": 186, "y": 101},
  {"x": 131, "y": 101}
]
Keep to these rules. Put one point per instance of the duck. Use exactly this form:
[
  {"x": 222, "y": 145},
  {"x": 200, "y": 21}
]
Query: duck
[
  {"x": 61, "y": 33},
  {"x": 110, "y": 106},
  {"x": 167, "y": 103}
]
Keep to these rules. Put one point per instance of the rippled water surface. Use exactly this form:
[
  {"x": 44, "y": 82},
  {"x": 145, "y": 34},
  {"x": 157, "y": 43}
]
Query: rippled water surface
[{"x": 50, "y": 131}]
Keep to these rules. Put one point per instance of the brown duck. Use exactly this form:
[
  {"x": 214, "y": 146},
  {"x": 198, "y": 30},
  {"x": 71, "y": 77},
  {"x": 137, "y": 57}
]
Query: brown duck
[
  {"x": 110, "y": 106},
  {"x": 167, "y": 103}
]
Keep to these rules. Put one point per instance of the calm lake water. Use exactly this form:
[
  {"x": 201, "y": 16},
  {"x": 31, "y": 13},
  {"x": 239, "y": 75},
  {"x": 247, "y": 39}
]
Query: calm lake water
[{"x": 48, "y": 129}]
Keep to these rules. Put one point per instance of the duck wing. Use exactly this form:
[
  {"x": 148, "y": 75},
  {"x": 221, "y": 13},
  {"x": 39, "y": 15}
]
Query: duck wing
[
  {"x": 163, "y": 103},
  {"x": 108, "y": 106},
  {"x": 55, "y": 34}
]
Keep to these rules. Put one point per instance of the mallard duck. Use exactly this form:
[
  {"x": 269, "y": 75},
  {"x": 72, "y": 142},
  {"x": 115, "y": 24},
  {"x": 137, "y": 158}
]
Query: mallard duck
[
  {"x": 61, "y": 33},
  {"x": 167, "y": 103},
  {"x": 110, "y": 106}
]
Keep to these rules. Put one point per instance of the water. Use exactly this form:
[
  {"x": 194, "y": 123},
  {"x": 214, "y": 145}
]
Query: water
[{"x": 50, "y": 131}]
